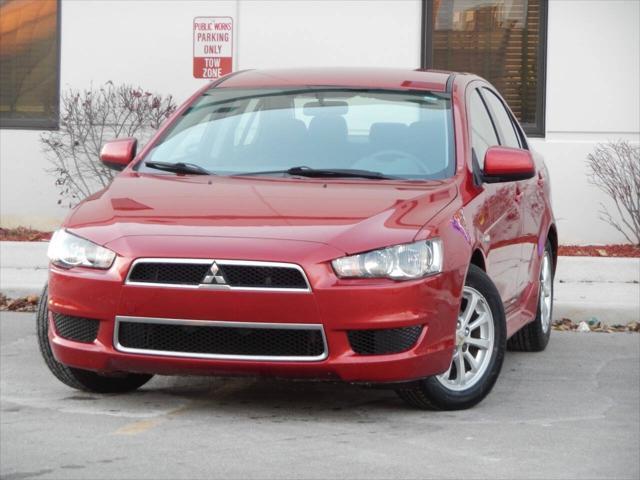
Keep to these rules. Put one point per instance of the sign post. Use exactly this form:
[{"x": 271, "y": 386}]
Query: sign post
[{"x": 212, "y": 46}]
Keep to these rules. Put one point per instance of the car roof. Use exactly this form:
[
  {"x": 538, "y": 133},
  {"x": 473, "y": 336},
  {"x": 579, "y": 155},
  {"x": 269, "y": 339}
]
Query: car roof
[{"x": 372, "y": 77}]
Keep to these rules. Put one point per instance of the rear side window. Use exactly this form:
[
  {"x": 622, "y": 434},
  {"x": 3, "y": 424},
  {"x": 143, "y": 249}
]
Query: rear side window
[
  {"x": 502, "y": 118},
  {"x": 483, "y": 134}
]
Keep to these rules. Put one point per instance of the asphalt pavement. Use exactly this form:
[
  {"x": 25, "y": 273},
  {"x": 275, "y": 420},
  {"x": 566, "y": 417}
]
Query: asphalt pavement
[{"x": 572, "y": 411}]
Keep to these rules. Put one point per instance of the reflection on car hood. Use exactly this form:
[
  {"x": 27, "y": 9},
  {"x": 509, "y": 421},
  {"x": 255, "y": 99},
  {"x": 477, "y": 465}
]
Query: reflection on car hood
[{"x": 351, "y": 215}]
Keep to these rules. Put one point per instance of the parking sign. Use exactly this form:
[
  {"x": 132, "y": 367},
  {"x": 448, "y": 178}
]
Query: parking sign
[{"x": 212, "y": 46}]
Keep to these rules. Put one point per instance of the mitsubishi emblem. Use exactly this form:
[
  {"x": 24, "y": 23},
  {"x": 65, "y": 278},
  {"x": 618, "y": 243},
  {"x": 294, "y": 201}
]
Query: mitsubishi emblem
[{"x": 214, "y": 276}]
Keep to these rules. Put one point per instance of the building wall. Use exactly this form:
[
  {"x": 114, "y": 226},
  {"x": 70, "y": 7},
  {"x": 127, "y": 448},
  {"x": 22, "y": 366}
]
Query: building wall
[
  {"x": 593, "y": 73},
  {"x": 592, "y": 77}
]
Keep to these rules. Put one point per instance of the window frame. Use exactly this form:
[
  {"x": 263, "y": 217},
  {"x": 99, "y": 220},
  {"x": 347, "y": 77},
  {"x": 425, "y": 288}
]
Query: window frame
[
  {"x": 537, "y": 129},
  {"x": 43, "y": 123},
  {"x": 522, "y": 136},
  {"x": 494, "y": 115},
  {"x": 474, "y": 89}
]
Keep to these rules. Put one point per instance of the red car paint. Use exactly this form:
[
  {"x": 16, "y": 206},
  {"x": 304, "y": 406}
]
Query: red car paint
[
  {"x": 118, "y": 153},
  {"x": 512, "y": 161},
  {"x": 503, "y": 227}
]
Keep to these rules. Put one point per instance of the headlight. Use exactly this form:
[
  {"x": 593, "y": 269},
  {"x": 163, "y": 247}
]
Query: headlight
[
  {"x": 401, "y": 262},
  {"x": 67, "y": 250}
]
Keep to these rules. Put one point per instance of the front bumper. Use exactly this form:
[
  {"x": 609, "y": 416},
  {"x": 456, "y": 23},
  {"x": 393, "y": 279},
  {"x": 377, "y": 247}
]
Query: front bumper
[{"x": 337, "y": 305}]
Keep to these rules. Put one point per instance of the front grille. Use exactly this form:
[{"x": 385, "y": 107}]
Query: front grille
[
  {"x": 385, "y": 341},
  {"x": 77, "y": 329},
  {"x": 266, "y": 277},
  {"x": 169, "y": 273},
  {"x": 231, "y": 274},
  {"x": 221, "y": 340}
]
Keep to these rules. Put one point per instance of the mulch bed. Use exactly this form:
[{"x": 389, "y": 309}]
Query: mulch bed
[
  {"x": 22, "y": 304},
  {"x": 566, "y": 324},
  {"x": 23, "y": 234},
  {"x": 599, "y": 251}
]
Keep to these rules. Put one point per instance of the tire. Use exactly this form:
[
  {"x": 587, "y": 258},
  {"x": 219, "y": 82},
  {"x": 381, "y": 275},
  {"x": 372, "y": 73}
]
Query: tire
[
  {"x": 534, "y": 336},
  {"x": 486, "y": 320},
  {"x": 76, "y": 378}
]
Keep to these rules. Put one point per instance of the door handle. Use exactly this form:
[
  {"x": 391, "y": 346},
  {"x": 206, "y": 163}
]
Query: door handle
[{"x": 518, "y": 196}]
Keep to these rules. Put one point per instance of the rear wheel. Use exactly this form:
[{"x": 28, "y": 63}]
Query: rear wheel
[
  {"x": 478, "y": 354},
  {"x": 534, "y": 336},
  {"x": 76, "y": 378}
]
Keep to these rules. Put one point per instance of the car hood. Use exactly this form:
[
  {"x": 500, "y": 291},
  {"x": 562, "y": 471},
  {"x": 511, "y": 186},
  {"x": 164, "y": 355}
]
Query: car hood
[{"x": 350, "y": 215}]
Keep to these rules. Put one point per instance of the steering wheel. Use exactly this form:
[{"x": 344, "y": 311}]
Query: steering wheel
[{"x": 399, "y": 155}]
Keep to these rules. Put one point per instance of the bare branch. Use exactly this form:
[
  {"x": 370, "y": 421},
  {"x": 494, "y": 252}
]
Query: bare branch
[
  {"x": 615, "y": 169},
  {"x": 90, "y": 118}
]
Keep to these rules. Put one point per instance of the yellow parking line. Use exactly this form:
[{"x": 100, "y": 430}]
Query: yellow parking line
[
  {"x": 138, "y": 427},
  {"x": 141, "y": 426}
]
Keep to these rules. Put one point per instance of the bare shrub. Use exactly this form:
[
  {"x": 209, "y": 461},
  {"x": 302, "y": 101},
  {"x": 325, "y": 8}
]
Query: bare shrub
[
  {"x": 614, "y": 168},
  {"x": 90, "y": 118}
]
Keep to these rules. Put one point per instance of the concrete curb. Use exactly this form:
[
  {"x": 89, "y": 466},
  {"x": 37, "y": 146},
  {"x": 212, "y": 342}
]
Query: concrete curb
[
  {"x": 23, "y": 268},
  {"x": 605, "y": 289},
  {"x": 598, "y": 270}
]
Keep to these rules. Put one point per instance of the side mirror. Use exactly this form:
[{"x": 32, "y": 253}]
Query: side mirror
[
  {"x": 118, "y": 153},
  {"x": 505, "y": 164}
]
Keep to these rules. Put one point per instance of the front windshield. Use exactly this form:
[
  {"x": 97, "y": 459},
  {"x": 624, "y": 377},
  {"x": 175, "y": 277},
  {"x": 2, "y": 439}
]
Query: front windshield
[{"x": 405, "y": 135}]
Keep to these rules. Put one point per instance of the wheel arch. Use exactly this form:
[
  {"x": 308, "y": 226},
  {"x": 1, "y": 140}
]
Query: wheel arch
[
  {"x": 477, "y": 259},
  {"x": 552, "y": 237}
]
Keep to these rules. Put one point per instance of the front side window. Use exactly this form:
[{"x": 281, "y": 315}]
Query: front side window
[
  {"x": 405, "y": 135},
  {"x": 503, "y": 41},
  {"x": 483, "y": 133},
  {"x": 29, "y": 63},
  {"x": 502, "y": 118}
]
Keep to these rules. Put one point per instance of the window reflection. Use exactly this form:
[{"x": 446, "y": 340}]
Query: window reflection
[
  {"x": 497, "y": 39},
  {"x": 29, "y": 63}
]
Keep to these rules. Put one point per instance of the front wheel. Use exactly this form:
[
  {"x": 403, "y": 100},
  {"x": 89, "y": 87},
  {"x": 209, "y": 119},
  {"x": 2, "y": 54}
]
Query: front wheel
[
  {"x": 74, "y": 377},
  {"x": 478, "y": 354}
]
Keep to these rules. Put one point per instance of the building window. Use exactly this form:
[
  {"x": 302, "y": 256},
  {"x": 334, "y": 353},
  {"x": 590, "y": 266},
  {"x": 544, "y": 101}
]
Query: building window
[
  {"x": 503, "y": 41},
  {"x": 29, "y": 63}
]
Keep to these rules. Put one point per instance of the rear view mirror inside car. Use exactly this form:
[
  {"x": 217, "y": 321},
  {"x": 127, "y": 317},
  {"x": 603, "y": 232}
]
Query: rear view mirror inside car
[{"x": 326, "y": 107}]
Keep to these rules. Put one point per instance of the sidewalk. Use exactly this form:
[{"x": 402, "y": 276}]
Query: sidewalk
[
  {"x": 604, "y": 289},
  {"x": 607, "y": 289},
  {"x": 23, "y": 268}
]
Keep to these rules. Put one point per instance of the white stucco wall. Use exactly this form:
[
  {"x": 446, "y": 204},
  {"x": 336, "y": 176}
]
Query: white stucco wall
[
  {"x": 336, "y": 33},
  {"x": 143, "y": 43},
  {"x": 592, "y": 78},
  {"x": 593, "y": 95}
]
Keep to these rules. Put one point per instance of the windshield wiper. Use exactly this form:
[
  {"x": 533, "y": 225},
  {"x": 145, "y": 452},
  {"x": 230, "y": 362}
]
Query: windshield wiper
[
  {"x": 323, "y": 173},
  {"x": 179, "y": 167}
]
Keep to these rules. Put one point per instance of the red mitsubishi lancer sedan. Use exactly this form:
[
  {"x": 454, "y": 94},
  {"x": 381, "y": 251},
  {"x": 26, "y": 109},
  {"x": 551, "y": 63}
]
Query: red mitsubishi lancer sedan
[{"x": 375, "y": 226}]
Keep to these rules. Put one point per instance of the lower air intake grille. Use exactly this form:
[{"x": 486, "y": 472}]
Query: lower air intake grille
[
  {"x": 220, "y": 341},
  {"x": 380, "y": 342},
  {"x": 77, "y": 329}
]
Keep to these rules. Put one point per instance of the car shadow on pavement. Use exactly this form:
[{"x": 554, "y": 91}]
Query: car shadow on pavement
[
  {"x": 272, "y": 398},
  {"x": 276, "y": 393}
]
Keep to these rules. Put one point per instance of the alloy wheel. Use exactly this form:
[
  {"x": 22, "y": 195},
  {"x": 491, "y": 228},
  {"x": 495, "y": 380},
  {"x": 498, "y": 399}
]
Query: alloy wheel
[
  {"x": 475, "y": 337},
  {"x": 546, "y": 292}
]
